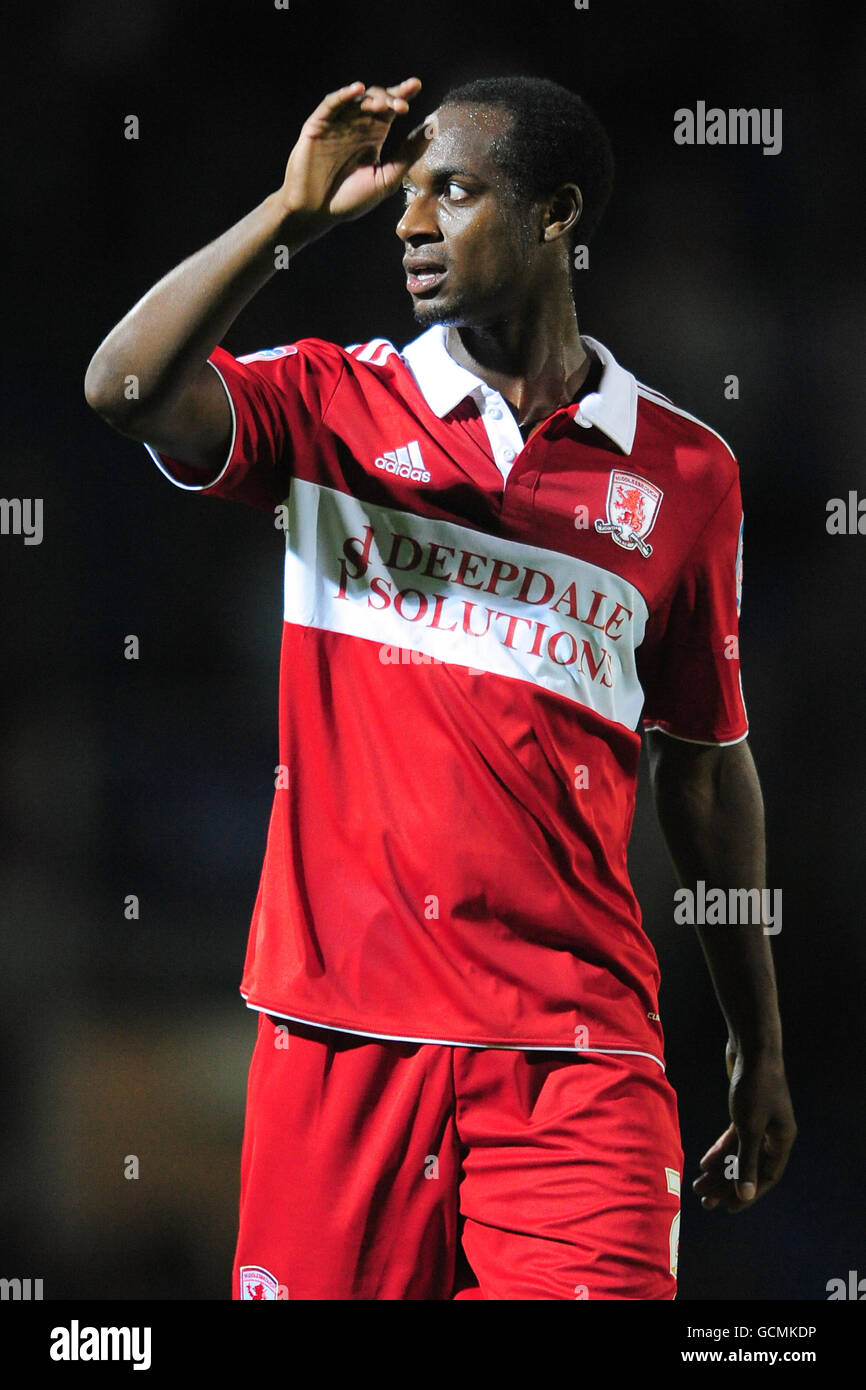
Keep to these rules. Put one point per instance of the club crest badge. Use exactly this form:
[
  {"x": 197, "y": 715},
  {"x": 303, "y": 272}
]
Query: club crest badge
[
  {"x": 258, "y": 1284},
  {"x": 632, "y": 507}
]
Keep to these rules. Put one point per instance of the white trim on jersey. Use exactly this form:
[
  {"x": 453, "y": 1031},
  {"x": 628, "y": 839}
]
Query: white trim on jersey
[
  {"x": 449, "y": 1042},
  {"x": 369, "y": 352},
  {"x": 208, "y": 482},
  {"x": 704, "y": 743}
]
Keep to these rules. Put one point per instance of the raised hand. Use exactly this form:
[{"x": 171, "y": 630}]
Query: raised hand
[{"x": 334, "y": 172}]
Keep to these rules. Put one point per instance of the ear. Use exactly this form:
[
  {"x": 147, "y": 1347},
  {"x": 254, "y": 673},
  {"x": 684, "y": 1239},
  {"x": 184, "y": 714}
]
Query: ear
[{"x": 562, "y": 212}]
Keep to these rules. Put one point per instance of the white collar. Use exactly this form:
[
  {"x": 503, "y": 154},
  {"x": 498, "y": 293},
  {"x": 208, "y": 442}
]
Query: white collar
[{"x": 444, "y": 384}]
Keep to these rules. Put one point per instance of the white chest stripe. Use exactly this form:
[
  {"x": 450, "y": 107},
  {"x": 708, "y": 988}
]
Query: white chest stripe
[{"x": 457, "y": 595}]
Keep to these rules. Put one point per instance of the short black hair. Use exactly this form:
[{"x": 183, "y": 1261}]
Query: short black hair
[{"x": 555, "y": 138}]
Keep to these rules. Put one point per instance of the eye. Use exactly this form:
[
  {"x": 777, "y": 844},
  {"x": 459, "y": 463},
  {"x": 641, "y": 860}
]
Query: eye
[{"x": 455, "y": 192}]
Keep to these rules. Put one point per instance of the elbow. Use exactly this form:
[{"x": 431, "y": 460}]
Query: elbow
[
  {"x": 102, "y": 389},
  {"x": 113, "y": 395}
]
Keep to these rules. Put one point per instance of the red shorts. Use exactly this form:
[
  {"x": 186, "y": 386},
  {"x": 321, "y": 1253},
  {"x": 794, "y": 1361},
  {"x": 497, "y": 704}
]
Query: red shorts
[{"x": 396, "y": 1170}]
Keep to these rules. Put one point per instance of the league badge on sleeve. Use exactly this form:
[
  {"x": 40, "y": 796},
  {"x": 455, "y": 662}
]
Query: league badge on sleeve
[
  {"x": 632, "y": 507},
  {"x": 739, "y": 568},
  {"x": 267, "y": 354}
]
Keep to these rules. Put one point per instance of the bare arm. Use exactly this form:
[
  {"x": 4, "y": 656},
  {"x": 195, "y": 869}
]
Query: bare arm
[
  {"x": 178, "y": 403},
  {"x": 710, "y": 808}
]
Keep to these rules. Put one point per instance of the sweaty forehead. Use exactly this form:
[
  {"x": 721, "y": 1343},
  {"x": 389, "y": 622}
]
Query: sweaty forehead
[{"x": 464, "y": 137}]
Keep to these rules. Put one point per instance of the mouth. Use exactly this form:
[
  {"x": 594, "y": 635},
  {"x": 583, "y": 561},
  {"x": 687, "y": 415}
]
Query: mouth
[{"x": 422, "y": 277}]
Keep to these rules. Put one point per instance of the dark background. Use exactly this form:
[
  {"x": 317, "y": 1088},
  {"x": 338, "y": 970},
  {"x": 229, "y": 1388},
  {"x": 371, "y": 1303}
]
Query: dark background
[{"x": 155, "y": 776}]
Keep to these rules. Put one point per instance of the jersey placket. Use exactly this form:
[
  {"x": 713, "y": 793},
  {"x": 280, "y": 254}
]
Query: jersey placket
[
  {"x": 506, "y": 441},
  {"x": 509, "y": 454},
  {"x": 518, "y": 459}
]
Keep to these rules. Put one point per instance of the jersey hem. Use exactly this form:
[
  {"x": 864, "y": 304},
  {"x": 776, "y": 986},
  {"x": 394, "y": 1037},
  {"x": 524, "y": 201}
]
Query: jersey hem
[
  {"x": 704, "y": 742},
  {"x": 509, "y": 1046}
]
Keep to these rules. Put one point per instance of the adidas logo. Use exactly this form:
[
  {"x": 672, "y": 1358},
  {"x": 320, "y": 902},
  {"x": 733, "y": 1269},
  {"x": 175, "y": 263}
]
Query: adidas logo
[{"x": 405, "y": 462}]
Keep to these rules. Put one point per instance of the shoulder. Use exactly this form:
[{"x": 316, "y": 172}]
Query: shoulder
[
  {"x": 661, "y": 439},
  {"x": 685, "y": 429},
  {"x": 376, "y": 356},
  {"x": 700, "y": 463}
]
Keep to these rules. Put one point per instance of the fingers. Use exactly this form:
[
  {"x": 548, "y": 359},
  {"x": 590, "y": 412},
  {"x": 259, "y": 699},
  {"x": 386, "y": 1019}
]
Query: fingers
[
  {"x": 714, "y": 1184},
  {"x": 381, "y": 106},
  {"x": 722, "y": 1146},
  {"x": 373, "y": 101},
  {"x": 410, "y": 149},
  {"x": 388, "y": 102},
  {"x": 748, "y": 1154},
  {"x": 394, "y": 100},
  {"x": 737, "y": 1170},
  {"x": 408, "y": 88},
  {"x": 343, "y": 95},
  {"x": 720, "y": 1169}
]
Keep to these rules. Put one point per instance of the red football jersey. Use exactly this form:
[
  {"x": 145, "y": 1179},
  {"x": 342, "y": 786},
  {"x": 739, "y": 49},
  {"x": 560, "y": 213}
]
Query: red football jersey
[{"x": 475, "y": 628}]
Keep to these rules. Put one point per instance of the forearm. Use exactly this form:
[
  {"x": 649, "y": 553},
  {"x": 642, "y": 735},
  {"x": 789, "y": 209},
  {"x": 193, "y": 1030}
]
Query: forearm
[
  {"x": 166, "y": 338},
  {"x": 741, "y": 967},
  {"x": 711, "y": 812}
]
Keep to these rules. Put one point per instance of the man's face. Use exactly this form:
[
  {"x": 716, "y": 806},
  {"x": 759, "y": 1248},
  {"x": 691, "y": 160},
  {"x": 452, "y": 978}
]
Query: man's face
[{"x": 469, "y": 249}]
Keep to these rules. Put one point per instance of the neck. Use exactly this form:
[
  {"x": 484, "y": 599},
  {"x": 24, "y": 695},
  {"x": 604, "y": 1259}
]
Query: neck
[{"x": 538, "y": 363}]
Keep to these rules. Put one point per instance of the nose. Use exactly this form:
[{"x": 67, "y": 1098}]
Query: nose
[{"x": 418, "y": 222}]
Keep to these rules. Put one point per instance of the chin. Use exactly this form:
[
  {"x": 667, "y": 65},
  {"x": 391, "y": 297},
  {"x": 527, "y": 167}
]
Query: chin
[
  {"x": 451, "y": 313},
  {"x": 458, "y": 311},
  {"x": 427, "y": 312}
]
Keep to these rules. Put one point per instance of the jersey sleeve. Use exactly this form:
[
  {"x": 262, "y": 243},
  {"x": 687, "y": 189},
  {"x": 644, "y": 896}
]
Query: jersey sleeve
[
  {"x": 278, "y": 399},
  {"x": 691, "y": 670}
]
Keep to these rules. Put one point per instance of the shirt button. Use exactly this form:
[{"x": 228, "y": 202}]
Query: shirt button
[
  {"x": 509, "y": 456},
  {"x": 495, "y": 413}
]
